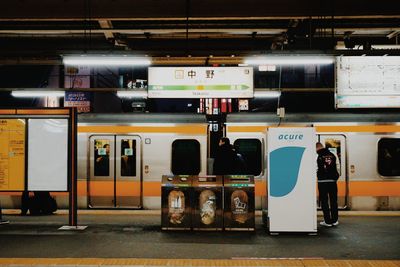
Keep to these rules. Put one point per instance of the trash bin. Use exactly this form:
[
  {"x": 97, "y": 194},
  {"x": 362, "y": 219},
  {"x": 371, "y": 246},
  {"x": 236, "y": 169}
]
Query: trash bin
[
  {"x": 239, "y": 203},
  {"x": 207, "y": 203},
  {"x": 176, "y": 195}
]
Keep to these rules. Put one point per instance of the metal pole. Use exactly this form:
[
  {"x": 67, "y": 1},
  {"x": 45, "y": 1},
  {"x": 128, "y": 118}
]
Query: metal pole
[{"x": 73, "y": 190}]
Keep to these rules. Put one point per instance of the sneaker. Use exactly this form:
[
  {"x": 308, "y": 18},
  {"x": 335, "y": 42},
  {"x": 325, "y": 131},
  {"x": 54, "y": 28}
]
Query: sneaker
[
  {"x": 323, "y": 223},
  {"x": 335, "y": 223},
  {"x": 4, "y": 222}
]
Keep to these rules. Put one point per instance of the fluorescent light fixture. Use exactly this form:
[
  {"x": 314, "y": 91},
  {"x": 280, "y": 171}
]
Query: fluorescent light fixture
[
  {"x": 106, "y": 61},
  {"x": 132, "y": 94},
  {"x": 266, "y": 94},
  {"x": 290, "y": 60},
  {"x": 22, "y": 93}
]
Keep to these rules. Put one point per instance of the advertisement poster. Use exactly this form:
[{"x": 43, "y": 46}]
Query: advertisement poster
[
  {"x": 79, "y": 100},
  {"x": 12, "y": 155},
  {"x": 200, "y": 82},
  {"x": 292, "y": 179}
]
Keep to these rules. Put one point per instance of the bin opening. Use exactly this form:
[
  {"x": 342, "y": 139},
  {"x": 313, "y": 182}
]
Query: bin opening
[
  {"x": 240, "y": 179},
  {"x": 170, "y": 178},
  {"x": 183, "y": 179},
  {"x": 207, "y": 179}
]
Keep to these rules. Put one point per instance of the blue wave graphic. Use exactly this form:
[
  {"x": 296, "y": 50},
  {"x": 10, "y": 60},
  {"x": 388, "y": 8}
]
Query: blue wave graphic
[{"x": 285, "y": 167}]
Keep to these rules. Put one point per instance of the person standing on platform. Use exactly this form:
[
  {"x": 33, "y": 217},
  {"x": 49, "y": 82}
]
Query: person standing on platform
[
  {"x": 224, "y": 162},
  {"x": 1, "y": 218},
  {"x": 327, "y": 176}
]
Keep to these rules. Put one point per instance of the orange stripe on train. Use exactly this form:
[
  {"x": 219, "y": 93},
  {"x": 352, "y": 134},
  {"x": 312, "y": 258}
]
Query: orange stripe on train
[{"x": 153, "y": 188}]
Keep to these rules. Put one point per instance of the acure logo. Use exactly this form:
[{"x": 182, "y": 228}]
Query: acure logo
[{"x": 290, "y": 137}]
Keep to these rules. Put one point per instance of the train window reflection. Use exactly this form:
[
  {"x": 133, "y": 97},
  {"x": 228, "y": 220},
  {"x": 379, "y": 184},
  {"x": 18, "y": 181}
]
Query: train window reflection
[
  {"x": 185, "y": 157},
  {"x": 335, "y": 147},
  {"x": 102, "y": 157},
  {"x": 128, "y": 157},
  {"x": 389, "y": 157},
  {"x": 250, "y": 149}
]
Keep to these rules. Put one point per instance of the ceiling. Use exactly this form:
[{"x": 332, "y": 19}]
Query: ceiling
[{"x": 45, "y": 29}]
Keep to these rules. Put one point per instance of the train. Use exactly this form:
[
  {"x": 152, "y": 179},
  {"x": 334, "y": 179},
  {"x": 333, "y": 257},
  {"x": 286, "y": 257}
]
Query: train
[{"x": 122, "y": 157}]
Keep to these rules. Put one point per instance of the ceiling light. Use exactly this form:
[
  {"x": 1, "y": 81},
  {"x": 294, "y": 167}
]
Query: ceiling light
[
  {"x": 266, "y": 94},
  {"x": 22, "y": 93},
  {"x": 132, "y": 94},
  {"x": 290, "y": 60},
  {"x": 106, "y": 61}
]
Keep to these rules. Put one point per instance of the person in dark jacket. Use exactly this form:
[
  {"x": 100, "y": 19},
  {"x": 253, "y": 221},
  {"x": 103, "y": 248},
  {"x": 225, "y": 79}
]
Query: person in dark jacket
[
  {"x": 225, "y": 158},
  {"x": 327, "y": 176}
]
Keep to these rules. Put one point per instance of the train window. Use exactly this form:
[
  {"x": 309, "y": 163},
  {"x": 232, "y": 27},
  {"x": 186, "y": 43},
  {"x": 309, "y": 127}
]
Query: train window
[
  {"x": 389, "y": 157},
  {"x": 102, "y": 157},
  {"x": 128, "y": 157},
  {"x": 185, "y": 157},
  {"x": 251, "y": 151}
]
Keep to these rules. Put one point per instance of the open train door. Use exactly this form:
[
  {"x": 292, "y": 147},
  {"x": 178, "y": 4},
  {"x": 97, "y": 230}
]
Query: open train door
[
  {"x": 115, "y": 179},
  {"x": 336, "y": 143}
]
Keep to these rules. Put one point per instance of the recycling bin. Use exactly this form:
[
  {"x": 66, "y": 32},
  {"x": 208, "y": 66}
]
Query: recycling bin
[
  {"x": 207, "y": 206},
  {"x": 176, "y": 195},
  {"x": 239, "y": 203}
]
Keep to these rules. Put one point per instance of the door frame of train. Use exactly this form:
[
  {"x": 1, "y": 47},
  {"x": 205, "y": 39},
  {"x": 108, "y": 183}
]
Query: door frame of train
[
  {"x": 89, "y": 176},
  {"x": 346, "y": 173}
]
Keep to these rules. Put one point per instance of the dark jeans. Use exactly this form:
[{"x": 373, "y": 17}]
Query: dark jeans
[{"x": 328, "y": 190}]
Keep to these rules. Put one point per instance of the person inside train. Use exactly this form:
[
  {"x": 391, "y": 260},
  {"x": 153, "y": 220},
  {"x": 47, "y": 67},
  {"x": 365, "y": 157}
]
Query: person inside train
[
  {"x": 127, "y": 159},
  {"x": 227, "y": 160},
  {"x": 327, "y": 187},
  {"x": 102, "y": 164}
]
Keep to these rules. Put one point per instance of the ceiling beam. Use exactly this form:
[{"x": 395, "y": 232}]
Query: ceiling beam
[{"x": 110, "y": 9}]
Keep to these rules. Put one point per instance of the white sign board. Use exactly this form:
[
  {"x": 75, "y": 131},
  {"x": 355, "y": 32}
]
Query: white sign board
[
  {"x": 48, "y": 155},
  {"x": 292, "y": 180},
  {"x": 200, "y": 82},
  {"x": 368, "y": 81}
]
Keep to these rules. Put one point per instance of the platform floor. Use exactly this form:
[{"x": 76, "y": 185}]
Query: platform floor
[{"x": 135, "y": 238}]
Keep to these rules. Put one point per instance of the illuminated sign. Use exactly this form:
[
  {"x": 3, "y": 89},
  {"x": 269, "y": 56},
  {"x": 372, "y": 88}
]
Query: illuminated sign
[
  {"x": 12, "y": 155},
  {"x": 200, "y": 82},
  {"x": 368, "y": 81}
]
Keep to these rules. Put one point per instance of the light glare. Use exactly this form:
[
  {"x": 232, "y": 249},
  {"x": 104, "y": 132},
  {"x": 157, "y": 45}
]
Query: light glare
[
  {"x": 290, "y": 60},
  {"x": 37, "y": 93},
  {"x": 105, "y": 61}
]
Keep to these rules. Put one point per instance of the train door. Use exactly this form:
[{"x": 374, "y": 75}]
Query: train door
[
  {"x": 115, "y": 173},
  {"x": 337, "y": 145}
]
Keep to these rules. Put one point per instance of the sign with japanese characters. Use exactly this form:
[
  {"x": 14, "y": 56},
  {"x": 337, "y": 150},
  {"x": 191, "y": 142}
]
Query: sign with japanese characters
[
  {"x": 368, "y": 82},
  {"x": 200, "y": 82},
  {"x": 12, "y": 155},
  {"x": 80, "y": 100}
]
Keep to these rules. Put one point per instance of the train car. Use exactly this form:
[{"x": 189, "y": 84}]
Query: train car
[
  {"x": 367, "y": 147},
  {"x": 122, "y": 157}
]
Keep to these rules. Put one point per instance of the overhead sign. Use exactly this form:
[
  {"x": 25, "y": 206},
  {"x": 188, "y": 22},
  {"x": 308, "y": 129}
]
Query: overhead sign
[
  {"x": 292, "y": 180},
  {"x": 80, "y": 100},
  {"x": 368, "y": 82},
  {"x": 200, "y": 82},
  {"x": 12, "y": 155}
]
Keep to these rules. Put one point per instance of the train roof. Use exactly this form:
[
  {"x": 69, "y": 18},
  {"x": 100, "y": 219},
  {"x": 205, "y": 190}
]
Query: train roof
[
  {"x": 313, "y": 117},
  {"x": 141, "y": 118}
]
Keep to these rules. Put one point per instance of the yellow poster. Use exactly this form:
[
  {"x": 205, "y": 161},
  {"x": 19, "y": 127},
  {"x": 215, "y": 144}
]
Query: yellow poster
[{"x": 12, "y": 155}]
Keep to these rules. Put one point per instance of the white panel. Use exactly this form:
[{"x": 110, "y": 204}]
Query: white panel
[
  {"x": 48, "y": 155},
  {"x": 292, "y": 180},
  {"x": 368, "y": 81}
]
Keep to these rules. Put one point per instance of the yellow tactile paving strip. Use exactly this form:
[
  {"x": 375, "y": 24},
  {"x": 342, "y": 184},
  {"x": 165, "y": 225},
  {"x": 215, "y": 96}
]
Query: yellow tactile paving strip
[{"x": 196, "y": 262}]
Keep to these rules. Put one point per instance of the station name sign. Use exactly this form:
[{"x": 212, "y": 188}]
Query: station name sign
[{"x": 200, "y": 82}]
